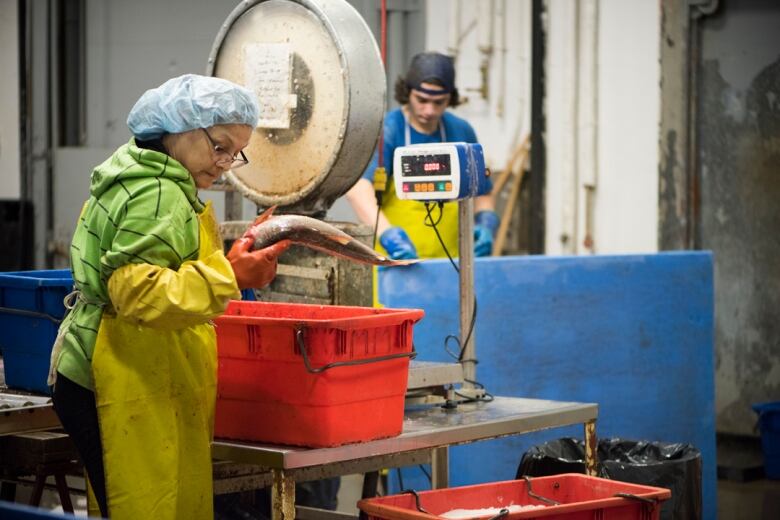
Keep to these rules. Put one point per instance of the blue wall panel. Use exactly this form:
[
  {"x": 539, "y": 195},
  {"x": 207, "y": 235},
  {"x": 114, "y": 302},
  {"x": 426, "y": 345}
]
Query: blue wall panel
[{"x": 632, "y": 333}]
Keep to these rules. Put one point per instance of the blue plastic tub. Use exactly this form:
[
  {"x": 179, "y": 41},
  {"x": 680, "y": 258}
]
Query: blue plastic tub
[
  {"x": 31, "y": 308},
  {"x": 769, "y": 423}
]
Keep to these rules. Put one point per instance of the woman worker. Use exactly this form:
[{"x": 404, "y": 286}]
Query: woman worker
[{"x": 134, "y": 364}]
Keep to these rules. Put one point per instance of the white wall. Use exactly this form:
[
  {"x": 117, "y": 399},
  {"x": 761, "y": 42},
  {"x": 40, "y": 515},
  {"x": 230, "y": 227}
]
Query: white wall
[
  {"x": 624, "y": 171},
  {"x": 10, "y": 167},
  {"x": 629, "y": 121},
  {"x": 602, "y": 108},
  {"x": 135, "y": 46}
]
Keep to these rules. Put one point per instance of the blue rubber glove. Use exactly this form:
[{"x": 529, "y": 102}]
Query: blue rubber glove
[
  {"x": 398, "y": 244},
  {"x": 485, "y": 227}
]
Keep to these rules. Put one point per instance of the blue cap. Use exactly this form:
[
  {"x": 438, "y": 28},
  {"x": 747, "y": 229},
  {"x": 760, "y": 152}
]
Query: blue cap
[
  {"x": 428, "y": 66},
  {"x": 190, "y": 102}
]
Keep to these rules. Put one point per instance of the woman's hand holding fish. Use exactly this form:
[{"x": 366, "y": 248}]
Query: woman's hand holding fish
[{"x": 254, "y": 269}]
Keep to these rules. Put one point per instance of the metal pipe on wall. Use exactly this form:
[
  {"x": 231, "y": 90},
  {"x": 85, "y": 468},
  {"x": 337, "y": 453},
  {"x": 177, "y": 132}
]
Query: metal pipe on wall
[
  {"x": 38, "y": 119},
  {"x": 49, "y": 152},
  {"x": 569, "y": 146},
  {"x": 396, "y": 47},
  {"x": 587, "y": 119},
  {"x": 453, "y": 30},
  {"x": 485, "y": 22},
  {"x": 538, "y": 126},
  {"x": 25, "y": 77},
  {"x": 500, "y": 102},
  {"x": 485, "y": 30}
]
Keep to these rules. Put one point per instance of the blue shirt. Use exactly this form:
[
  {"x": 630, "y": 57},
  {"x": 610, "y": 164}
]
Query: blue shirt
[{"x": 455, "y": 128}]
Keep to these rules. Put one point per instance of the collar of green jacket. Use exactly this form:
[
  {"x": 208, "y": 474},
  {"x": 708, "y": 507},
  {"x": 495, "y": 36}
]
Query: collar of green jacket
[{"x": 131, "y": 162}]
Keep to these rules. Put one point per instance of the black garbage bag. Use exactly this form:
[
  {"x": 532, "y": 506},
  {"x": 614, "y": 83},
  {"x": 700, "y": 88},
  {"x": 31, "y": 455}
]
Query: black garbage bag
[{"x": 673, "y": 466}]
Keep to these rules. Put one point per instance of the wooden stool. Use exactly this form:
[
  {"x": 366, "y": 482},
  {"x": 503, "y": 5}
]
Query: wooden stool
[{"x": 41, "y": 454}]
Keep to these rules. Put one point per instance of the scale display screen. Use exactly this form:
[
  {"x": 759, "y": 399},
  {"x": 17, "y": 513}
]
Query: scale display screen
[
  {"x": 439, "y": 171},
  {"x": 426, "y": 165}
]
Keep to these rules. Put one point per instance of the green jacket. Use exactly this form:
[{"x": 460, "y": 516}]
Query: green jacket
[{"x": 142, "y": 209}]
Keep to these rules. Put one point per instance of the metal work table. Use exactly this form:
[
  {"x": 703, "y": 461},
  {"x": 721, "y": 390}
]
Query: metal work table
[
  {"x": 427, "y": 434},
  {"x": 21, "y": 412}
]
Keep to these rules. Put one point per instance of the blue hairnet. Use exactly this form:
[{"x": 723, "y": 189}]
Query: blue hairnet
[{"x": 190, "y": 102}]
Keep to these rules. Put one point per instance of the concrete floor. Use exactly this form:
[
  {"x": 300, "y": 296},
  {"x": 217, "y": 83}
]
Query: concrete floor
[{"x": 757, "y": 500}]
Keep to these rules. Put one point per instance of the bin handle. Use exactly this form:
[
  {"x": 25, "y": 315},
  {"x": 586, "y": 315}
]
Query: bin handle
[
  {"x": 501, "y": 514},
  {"x": 30, "y": 314},
  {"x": 631, "y": 496},
  {"x": 312, "y": 370},
  {"x": 417, "y": 504},
  {"x": 531, "y": 493}
]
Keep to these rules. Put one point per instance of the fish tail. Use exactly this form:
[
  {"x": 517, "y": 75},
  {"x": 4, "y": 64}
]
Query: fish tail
[{"x": 265, "y": 215}]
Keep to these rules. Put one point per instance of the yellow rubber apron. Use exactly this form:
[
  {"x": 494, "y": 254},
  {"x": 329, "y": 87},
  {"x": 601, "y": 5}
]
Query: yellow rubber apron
[
  {"x": 411, "y": 214},
  {"x": 155, "y": 392}
]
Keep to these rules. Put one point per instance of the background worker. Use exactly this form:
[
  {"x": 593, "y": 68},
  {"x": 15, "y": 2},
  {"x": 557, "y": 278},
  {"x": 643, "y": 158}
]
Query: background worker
[
  {"x": 424, "y": 94},
  {"x": 134, "y": 363}
]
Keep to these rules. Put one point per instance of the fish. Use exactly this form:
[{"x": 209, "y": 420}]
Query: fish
[{"x": 314, "y": 234}]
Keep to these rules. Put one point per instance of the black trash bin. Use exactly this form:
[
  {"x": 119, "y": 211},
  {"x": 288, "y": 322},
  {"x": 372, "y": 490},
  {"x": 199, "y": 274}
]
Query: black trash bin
[{"x": 673, "y": 466}]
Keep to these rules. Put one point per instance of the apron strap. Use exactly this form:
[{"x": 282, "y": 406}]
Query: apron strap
[{"x": 408, "y": 130}]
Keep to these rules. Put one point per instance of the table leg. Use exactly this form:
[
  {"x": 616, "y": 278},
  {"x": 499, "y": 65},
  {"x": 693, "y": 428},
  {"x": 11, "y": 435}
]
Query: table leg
[
  {"x": 591, "y": 449},
  {"x": 440, "y": 467},
  {"x": 63, "y": 491},
  {"x": 37, "y": 492},
  {"x": 370, "y": 483},
  {"x": 282, "y": 496}
]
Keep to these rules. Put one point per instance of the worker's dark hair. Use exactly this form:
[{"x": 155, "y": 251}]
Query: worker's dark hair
[{"x": 402, "y": 91}]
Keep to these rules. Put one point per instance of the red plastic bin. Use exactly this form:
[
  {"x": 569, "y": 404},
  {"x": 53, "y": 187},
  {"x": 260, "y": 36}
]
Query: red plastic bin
[
  {"x": 580, "y": 497},
  {"x": 266, "y": 393}
]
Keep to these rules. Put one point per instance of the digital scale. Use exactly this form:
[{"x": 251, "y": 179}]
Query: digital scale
[{"x": 440, "y": 171}]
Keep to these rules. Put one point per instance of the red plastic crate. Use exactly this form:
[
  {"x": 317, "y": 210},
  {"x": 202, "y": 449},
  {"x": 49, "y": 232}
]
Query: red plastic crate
[
  {"x": 265, "y": 392},
  {"x": 580, "y": 497}
]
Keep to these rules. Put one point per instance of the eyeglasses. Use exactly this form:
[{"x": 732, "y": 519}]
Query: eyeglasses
[{"x": 223, "y": 156}]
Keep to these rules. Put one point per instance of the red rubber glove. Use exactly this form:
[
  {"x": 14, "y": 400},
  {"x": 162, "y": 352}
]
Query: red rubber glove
[{"x": 254, "y": 269}]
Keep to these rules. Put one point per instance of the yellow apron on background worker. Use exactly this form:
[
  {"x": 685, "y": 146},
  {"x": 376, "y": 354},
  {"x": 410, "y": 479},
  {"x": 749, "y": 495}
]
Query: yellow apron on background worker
[
  {"x": 156, "y": 395},
  {"x": 411, "y": 216}
]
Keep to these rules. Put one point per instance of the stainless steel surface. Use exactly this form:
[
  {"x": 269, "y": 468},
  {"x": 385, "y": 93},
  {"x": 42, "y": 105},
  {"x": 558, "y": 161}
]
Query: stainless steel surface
[
  {"x": 20, "y": 413},
  {"x": 426, "y": 374},
  {"x": 466, "y": 264},
  {"x": 317, "y": 70},
  {"x": 247, "y": 477},
  {"x": 426, "y": 428}
]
